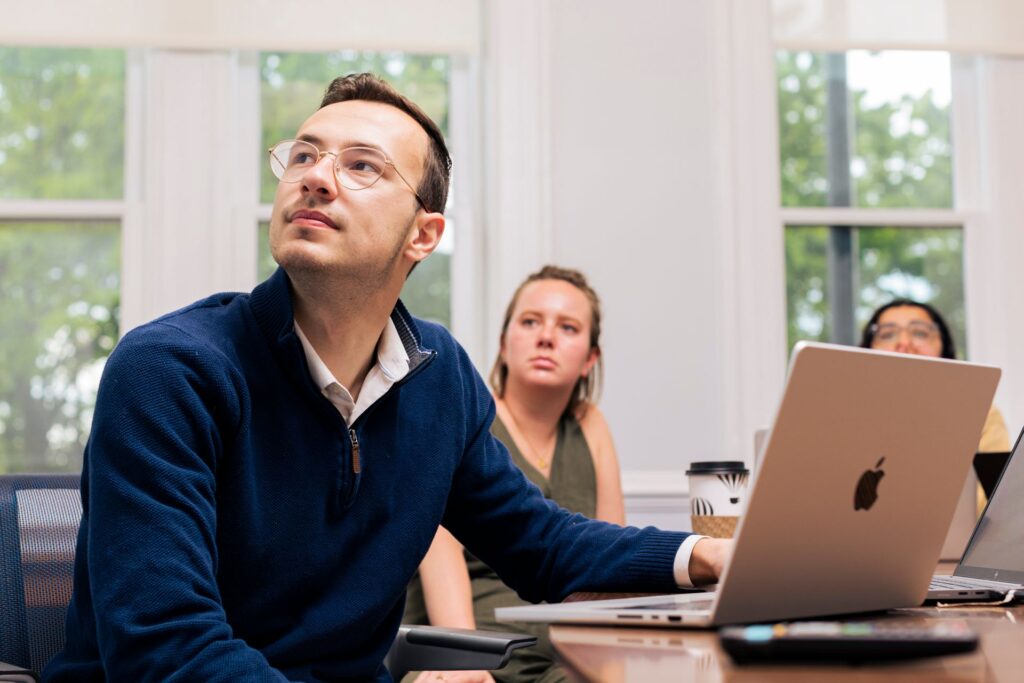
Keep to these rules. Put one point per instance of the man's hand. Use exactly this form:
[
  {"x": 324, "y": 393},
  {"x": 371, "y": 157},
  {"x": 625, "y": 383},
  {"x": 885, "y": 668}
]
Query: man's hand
[
  {"x": 454, "y": 677},
  {"x": 708, "y": 559}
]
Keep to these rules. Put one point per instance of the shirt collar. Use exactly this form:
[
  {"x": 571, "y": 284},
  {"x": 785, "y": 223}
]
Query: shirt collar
[{"x": 390, "y": 357}]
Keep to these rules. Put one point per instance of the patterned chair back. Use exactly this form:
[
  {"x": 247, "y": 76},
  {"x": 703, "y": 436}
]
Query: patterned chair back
[{"x": 39, "y": 518}]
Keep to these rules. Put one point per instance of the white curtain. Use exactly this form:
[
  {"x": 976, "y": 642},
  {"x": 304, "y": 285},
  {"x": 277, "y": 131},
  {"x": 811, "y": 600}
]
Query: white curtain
[
  {"x": 980, "y": 27},
  {"x": 451, "y": 26}
]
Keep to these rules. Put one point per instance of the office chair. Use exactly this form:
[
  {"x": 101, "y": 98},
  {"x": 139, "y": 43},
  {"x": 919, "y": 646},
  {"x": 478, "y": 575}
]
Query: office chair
[
  {"x": 429, "y": 648},
  {"x": 39, "y": 518}
]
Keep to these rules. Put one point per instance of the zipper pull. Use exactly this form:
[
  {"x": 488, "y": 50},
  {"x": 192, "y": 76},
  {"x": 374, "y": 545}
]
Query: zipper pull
[{"x": 357, "y": 467}]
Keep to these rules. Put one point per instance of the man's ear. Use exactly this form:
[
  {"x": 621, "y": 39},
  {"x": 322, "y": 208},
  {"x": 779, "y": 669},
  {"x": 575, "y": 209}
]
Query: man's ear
[{"x": 425, "y": 235}]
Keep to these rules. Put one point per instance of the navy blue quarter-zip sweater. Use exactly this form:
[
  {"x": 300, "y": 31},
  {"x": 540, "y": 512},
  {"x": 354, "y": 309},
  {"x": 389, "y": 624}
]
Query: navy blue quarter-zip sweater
[{"x": 229, "y": 533}]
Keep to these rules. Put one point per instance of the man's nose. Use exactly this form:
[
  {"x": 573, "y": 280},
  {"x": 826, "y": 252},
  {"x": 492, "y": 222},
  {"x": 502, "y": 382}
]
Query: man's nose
[{"x": 319, "y": 179}]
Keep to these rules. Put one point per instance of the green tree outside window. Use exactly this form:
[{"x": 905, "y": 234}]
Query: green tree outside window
[
  {"x": 901, "y": 157},
  {"x": 61, "y": 138}
]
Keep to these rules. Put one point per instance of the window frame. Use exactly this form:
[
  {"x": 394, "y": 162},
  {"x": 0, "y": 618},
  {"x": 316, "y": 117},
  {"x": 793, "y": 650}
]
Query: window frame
[
  {"x": 168, "y": 260},
  {"x": 125, "y": 212},
  {"x": 963, "y": 215}
]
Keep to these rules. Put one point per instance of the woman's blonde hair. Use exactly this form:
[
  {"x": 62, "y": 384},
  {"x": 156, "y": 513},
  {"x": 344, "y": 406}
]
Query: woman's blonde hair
[{"x": 587, "y": 388}]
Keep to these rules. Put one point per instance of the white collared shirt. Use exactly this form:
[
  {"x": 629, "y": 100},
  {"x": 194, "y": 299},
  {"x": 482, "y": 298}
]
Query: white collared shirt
[
  {"x": 391, "y": 363},
  {"x": 681, "y": 566}
]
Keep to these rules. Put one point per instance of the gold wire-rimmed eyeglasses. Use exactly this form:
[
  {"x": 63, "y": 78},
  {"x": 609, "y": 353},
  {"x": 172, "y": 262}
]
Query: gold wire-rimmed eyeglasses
[{"x": 356, "y": 168}]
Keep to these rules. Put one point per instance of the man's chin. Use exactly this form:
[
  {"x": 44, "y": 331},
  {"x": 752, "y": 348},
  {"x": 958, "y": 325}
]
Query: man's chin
[
  {"x": 301, "y": 258},
  {"x": 295, "y": 259}
]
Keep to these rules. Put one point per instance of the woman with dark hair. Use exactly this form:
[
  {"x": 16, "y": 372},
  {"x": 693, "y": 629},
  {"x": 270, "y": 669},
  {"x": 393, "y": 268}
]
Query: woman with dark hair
[
  {"x": 545, "y": 381},
  {"x": 907, "y": 326}
]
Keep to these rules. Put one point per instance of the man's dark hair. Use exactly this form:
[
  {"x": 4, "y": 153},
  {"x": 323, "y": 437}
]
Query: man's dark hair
[
  {"x": 437, "y": 167},
  {"x": 948, "y": 347}
]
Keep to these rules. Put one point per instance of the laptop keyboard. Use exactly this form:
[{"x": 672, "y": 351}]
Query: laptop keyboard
[{"x": 960, "y": 582}]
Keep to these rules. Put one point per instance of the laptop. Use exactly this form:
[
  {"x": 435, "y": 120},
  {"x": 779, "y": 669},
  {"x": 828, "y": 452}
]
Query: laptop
[
  {"x": 993, "y": 563},
  {"x": 850, "y": 503},
  {"x": 965, "y": 515}
]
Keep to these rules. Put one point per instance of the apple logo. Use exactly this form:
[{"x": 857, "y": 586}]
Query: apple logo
[{"x": 867, "y": 488}]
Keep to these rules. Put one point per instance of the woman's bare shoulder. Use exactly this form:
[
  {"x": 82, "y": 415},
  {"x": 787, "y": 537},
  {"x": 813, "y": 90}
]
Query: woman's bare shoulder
[{"x": 592, "y": 421}]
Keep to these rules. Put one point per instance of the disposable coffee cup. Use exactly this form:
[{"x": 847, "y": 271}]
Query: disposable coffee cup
[{"x": 718, "y": 496}]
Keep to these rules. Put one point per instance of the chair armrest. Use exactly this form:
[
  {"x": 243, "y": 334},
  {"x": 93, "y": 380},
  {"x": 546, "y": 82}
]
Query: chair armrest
[
  {"x": 427, "y": 648},
  {"x": 9, "y": 673}
]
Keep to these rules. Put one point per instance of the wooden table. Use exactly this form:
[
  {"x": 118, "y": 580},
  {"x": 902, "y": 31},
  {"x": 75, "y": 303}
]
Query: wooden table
[{"x": 615, "y": 654}]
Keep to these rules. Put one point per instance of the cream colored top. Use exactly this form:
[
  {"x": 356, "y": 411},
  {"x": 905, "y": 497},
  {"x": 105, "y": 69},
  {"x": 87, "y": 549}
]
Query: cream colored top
[{"x": 994, "y": 439}]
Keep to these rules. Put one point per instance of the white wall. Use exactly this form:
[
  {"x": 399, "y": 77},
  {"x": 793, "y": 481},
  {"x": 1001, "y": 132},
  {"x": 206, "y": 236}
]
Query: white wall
[
  {"x": 995, "y": 240},
  {"x": 633, "y": 206},
  {"x": 652, "y": 193}
]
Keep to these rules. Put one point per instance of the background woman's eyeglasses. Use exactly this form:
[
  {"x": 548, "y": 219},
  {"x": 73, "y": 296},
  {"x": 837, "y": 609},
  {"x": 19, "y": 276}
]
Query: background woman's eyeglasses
[
  {"x": 888, "y": 334},
  {"x": 356, "y": 168}
]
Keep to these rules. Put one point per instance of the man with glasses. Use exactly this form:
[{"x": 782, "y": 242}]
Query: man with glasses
[{"x": 267, "y": 470}]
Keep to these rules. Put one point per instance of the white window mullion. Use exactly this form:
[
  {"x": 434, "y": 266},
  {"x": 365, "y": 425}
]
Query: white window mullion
[
  {"x": 751, "y": 292},
  {"x": 968, "y": 182},
  {"x": 248, "y": 159},
  {"x": 885, "y": 218},
  {"x": 61, "y": 210},
  {"x": 995, "y": 240},
  {"x": 133, "y": 261},
  {"x": 467, "y": 264},
  {"x": 191, "y": 117},
  {"x": 981, "y": 272},
  {"x": 517, "y": 151}
]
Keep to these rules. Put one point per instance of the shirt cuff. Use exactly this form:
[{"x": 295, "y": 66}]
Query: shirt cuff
[{"x": 681, "y": 566}]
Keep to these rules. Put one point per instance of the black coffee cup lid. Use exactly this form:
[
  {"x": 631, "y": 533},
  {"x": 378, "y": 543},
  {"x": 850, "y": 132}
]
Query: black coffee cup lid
[{"x": 718, "y": 467}]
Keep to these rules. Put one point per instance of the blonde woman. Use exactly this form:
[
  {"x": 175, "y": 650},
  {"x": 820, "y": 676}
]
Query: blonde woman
[{"x": 545, "y": 382}]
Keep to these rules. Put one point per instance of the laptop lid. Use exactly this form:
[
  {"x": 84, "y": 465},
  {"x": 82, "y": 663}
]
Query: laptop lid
[
  {"x": 857, "y": 484},
  {"x": 996, "y": 549}
]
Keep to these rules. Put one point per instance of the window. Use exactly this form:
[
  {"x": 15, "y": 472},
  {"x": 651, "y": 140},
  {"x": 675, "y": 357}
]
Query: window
[
  {"x": 291, "y": 86},
  {"x": 61, "y": 174},
  {"x": 924, "y": 264},
  {"x": 867, "y": 189}
]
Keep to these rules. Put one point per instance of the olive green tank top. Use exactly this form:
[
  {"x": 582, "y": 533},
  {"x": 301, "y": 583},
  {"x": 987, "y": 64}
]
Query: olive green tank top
[{"x": 572, "y": 483}]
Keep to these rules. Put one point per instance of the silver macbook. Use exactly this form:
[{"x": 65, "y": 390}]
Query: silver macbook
[
  {"x": 851, "y": 502},
  {"x": 993, "y": 563}
]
